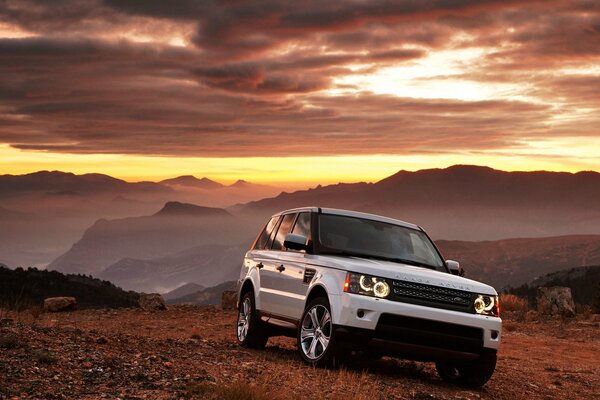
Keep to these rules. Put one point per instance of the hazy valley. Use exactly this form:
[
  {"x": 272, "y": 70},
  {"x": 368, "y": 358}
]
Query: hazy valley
[{"x": 506, "y": 228}]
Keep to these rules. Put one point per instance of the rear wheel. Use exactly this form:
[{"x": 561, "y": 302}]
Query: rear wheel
[
  {"x": 316, "y": 338},
  {"x": 469, "y": 374},
  {"x": 251, "y": 331}
]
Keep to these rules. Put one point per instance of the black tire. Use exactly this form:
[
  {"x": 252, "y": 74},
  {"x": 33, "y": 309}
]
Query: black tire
[
  {"x": 321, "y": 356},
  {"x": 255, "y": 334},
  {"x": 468, "y": 374}
]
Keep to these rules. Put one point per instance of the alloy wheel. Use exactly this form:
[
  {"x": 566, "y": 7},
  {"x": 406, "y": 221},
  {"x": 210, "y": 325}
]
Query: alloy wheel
[{"x": 315, "y": 332}]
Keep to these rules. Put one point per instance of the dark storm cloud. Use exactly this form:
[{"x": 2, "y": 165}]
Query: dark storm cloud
[{"x": 253, "y": 79}]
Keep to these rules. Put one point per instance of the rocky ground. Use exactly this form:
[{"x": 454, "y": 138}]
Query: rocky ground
[{"x": 190, "y": 352}]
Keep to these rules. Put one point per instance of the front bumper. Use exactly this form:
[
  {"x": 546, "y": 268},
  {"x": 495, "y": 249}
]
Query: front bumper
[{"x": 409, "y": 328}]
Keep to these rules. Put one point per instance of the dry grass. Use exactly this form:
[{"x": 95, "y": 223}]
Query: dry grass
[
  {"x": 511, "y": 302},
  {"x": 211, "y": 391}
]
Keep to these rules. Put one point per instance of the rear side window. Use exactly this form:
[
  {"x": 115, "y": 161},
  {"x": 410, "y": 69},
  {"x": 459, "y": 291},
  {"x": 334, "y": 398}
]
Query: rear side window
[
  {"x": 262, "y": 240},
  {"x": 284, "y": 228},
  {"x": 302, "y": 225}
]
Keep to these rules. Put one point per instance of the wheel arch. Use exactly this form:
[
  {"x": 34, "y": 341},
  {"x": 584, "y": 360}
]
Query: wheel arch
[
  {"x": 247, "y": 286},
  {"x": 317, "y": 291}
]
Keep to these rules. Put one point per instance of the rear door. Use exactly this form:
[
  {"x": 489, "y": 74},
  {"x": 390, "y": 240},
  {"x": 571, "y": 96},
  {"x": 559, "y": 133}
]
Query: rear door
[
  {"x": 263, "y": 259},
  {"x": 272, "y": 273},
  {"x": 292, "y": 279}
]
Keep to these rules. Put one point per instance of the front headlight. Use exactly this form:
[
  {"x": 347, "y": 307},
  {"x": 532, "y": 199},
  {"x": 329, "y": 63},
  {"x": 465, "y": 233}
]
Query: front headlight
[
  {"x": 487, "y": 305},
  {"x": 366, "y": 285}
]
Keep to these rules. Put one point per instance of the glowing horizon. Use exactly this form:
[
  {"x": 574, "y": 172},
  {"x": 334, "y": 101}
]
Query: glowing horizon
[
  {"x": 287, "y": 172},
  {"x": 299, "y": 95}
]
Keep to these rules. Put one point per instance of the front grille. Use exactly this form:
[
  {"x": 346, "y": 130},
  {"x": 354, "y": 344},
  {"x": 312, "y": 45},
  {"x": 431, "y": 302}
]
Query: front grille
[
  {"x": 432, "y": 296},
  {"x": 429, "y": 333},
  {"x": 309, "y": 274}
]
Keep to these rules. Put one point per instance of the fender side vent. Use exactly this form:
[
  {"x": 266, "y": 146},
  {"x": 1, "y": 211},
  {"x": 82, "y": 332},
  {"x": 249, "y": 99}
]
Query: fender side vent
[{"x": 309, "y": 274}]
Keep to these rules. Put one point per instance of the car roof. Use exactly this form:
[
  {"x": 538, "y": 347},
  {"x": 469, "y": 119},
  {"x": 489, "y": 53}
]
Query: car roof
[{"x": 350, "y": 213}]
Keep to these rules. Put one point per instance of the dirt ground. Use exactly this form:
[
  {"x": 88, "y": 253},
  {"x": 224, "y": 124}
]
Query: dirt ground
[{"x": 190, "y": 352}]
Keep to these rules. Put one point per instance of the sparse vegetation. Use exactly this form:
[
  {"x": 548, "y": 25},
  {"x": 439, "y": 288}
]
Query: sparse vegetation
[
  {"x": 129, "y": 353},
  {"x": 22, "y": 289}
]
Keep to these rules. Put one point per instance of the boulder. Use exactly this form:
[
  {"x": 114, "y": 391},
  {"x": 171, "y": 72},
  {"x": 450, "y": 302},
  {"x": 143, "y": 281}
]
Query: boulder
[
  {"x": 555, "y": 301},
  {"x": 229, "y": 300},
  {"x": 58, "y": 304},
  {"x": 152, "y": 302}
]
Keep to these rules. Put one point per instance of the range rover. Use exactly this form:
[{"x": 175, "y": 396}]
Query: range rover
[{"x": 344, "y": 282}]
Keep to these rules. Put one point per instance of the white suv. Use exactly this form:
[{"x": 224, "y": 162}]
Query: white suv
[{"x": 343, "y": 281}]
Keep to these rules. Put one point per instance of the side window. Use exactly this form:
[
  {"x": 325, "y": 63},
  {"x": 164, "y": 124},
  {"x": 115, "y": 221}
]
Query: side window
[
  {"x": 262, "y": 240},
  {"x": 284, "y": 228},
  {"x": 302, "y": 225},
  {"x": 273, "y": 232}
]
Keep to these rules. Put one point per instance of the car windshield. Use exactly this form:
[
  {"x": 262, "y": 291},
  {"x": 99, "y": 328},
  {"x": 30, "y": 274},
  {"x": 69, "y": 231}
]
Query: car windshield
[{"x": 360, "y": 237}]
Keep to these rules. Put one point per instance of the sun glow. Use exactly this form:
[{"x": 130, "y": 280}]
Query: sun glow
[
  {"x": 438, "y": 75},
  {"x": 301, "y": 172}
]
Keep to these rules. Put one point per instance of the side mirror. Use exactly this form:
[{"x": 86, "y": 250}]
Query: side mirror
[
  {"x": 455, "y": 268},
  {"x": 295, "y": 242}
]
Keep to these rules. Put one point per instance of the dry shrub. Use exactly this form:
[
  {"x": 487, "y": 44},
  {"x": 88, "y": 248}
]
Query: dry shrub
[
  {"x": 35, "y": 312},
  {"x": 44, "y": 356},
  {"x": 511, "y": 302},
  {"x": 9, "y": 341},
  {"x": 509, "y": 326},
  {"x": 584, "y": 310}
]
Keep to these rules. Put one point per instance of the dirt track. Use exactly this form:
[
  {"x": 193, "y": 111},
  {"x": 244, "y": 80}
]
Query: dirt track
[{"x": 190, "y": 351}]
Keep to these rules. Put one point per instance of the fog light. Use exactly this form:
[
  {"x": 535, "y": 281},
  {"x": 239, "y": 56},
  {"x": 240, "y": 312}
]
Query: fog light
[{"x": 360, "y": 313}]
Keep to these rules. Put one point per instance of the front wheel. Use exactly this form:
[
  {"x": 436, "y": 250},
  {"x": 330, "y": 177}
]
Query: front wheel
[
  {"x": 468, "y": 374},
  {"x": 251, "y": 331},
  {"x": 316, "y": 338}
]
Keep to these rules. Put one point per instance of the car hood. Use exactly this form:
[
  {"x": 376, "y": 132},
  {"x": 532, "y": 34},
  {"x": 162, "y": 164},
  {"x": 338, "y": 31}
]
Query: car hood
[{"x": 404, "y": 272}]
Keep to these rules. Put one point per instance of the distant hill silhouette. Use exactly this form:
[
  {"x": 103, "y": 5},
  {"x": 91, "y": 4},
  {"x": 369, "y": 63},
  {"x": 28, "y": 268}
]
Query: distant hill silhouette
[
  {"x": 192, "y": 181},
  {"x": 66, "y": 183},
  {"x": 23, "y": 288},
  {"x": 465, "y": 202},
  {"x": 43, "y": 213},
  {"x": 206, "y": 264},
  {"x": 182, "y": 290},
  {"x": 211, "y": 295},
  {"x": 583, "y": 281},
  {"x": 512, "y": 262},
  {"x": 138, "y": 240},
  {"x": 175, "y": 208}
]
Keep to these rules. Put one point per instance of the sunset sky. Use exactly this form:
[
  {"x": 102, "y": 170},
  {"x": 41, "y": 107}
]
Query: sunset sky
[{"x": 297, "y": 92}]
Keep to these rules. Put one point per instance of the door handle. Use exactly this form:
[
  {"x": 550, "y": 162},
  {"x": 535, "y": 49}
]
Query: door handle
[
  {"x": 281, "y": 268},
  {"x": 259, "y": 265}
]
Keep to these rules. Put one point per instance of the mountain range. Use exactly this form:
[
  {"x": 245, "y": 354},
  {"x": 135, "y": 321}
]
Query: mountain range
[
  {"x": 465, "y": 202},
  {"x": 158, "y": 236},
  {"x": 42, "y": 214}
]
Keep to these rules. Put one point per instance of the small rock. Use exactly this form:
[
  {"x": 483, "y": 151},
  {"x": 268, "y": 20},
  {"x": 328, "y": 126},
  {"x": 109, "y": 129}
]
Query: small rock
[
  {"x": 555, "y": 301},
  {"x": 102, "y": 340},
  {"x": 152, "y": 302},
  {"x": 58, "y": 304}
]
